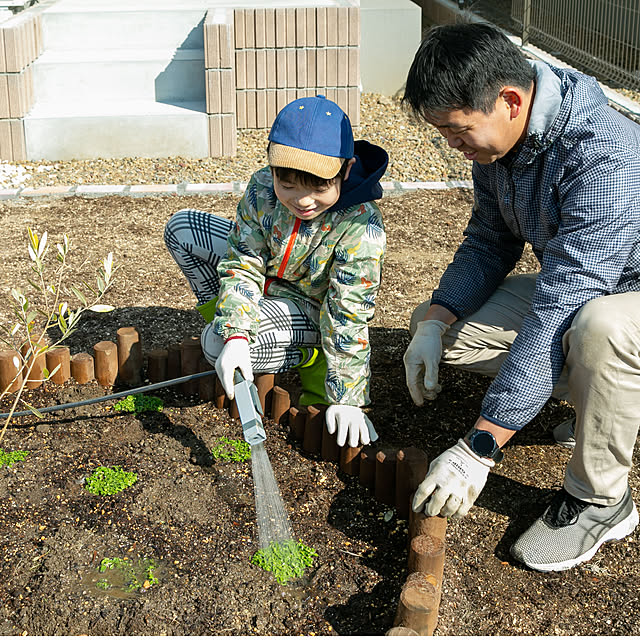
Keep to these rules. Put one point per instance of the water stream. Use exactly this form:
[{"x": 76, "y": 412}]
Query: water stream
[{"x": 273, "y": 522}]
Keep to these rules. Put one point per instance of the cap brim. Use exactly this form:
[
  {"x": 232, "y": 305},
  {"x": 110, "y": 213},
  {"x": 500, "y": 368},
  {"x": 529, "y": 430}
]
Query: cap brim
[{"x": 326, "y": 167}]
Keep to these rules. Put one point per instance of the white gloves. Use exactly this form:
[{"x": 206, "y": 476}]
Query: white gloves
[
  {"x": 453, "y": 482},
  {"x": 352, "y": 421},
  {"x": 234, "y": 355},
  {"x": 421, "y": 360}
]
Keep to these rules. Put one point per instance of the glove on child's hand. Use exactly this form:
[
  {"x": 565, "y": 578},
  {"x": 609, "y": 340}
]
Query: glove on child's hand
[
  {"x": 350, "y": 421},
  {"x": 234, "y": 355},
  {"x": 422, "y": 358},
  {"x": 453, "y": 482}
]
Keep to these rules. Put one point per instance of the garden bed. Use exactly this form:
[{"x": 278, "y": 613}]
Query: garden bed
[{"x": 192, "y": 517}]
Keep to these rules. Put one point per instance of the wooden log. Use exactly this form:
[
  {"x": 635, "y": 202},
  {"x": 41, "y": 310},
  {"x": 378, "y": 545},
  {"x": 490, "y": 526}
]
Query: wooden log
[
  {"x": 426, "y": 554},
  {"x": 10, "y": 370},
  {"x": 59, "y": 356},
  {"x": 207, "y": 384},
  {"x": 418, "y": 606},
  {"x": 129, "y": 356},
  {"x": 401, "y": 631},
  {"x": 233, "y": 409},
  {"x": 350, "y": 460},
  {"x": 385, "y": 482},
  {"x": 105, "y": 356},
  {"x": 280, "y": 405},
  {"x": 190, "y": 355},
  {"x": 411, "y": 468},
  {"x": 39, "y": 361},
  {"x": 329, "y": 451},
  {"x": 422, "y": 524},
  {"x": 367, "y": 472},
  {"x": 297, "y": 422},
  {"x": 158, "y": 365},
  {"x": 82, "y": 368},
  {"x": 264, "y": 385},
  {"x": 221, "y": 396},
  {"x": 313, "y": 428},
  {"x": 174, "y": 365}
]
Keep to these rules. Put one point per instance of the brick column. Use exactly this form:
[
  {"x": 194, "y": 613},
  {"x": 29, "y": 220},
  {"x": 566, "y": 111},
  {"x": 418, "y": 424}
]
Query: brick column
[
  {"x": 20, "y": 45},
  {"x": 220, "y": 82}
]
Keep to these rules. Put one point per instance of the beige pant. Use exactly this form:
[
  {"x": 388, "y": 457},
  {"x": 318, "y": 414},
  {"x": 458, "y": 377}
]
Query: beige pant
[{"x": 601, "y": 377}]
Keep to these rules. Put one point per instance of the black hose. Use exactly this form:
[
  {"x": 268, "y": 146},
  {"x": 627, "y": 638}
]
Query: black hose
[{"x": 111, "y": 396}]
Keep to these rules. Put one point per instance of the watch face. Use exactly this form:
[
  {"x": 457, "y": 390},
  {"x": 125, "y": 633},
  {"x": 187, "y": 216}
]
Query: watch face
[{"x": 483, "y": 443}]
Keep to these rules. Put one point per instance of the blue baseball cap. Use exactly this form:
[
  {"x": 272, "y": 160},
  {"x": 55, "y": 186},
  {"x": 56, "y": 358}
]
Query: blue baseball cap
[{"x": 312, "y": 135}]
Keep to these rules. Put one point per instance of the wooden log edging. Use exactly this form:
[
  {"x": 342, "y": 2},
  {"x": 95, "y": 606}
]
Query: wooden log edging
[{"x": 391, "y": 475}]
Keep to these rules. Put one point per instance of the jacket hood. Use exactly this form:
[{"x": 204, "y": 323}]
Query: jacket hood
[
  {"x": 565, "y": 99},
  {"x": 363, "y": 183}
]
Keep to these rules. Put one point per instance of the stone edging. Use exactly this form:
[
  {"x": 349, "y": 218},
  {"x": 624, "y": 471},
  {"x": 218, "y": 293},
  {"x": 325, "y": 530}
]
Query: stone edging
[{"x": 192, "y": 189}]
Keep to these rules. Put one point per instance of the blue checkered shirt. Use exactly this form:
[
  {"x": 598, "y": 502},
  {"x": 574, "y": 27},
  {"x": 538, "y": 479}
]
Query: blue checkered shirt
[{"x": 571, "y": 190}]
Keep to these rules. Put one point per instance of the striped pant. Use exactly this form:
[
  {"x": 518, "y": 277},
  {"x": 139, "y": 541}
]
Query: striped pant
[{"x": 197, "y": 241}]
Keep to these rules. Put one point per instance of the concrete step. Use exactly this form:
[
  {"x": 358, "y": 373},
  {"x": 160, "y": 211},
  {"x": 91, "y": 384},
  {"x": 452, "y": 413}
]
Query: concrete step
[
  {"x": 82, "y": 130},
  {"x": 105, "y": 27},
  {"x": 120, "y": 74}
]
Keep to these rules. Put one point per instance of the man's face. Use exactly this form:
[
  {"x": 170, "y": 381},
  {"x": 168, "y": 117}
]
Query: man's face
[{"x": 479, "y": 136}]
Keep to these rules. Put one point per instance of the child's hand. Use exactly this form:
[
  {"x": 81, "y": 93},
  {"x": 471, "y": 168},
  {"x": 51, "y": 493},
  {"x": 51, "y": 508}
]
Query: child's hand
[
  {"x": 352, "y": 421},
  {"x": 234, "y": 355}
]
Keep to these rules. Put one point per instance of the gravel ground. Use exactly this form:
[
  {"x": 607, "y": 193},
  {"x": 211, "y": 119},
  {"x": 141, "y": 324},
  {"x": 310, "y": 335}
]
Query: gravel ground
[{"x": 417, "y": 152}]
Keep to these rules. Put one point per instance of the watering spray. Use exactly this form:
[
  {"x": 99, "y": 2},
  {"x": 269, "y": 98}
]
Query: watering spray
[{"x": 272, "y": 519}]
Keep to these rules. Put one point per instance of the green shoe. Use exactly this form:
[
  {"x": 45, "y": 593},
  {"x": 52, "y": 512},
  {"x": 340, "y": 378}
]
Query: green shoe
[
  {"x": 208, "y": 309},
  {"x": 313, "y": 371}
]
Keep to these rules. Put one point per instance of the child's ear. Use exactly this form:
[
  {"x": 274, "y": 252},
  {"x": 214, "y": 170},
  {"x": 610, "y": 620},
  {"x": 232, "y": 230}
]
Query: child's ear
[{"x": 348, "y": 171}]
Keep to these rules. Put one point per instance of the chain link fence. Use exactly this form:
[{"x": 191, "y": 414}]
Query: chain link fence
[{"x": 602, "y": 37}]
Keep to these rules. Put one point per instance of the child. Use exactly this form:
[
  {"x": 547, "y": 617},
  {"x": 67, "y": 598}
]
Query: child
[{"x": 293, "y": 282}]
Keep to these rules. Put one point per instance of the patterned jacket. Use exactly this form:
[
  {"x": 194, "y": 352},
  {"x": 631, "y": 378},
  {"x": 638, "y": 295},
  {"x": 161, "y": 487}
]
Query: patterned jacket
[
  {"x": 571, "y": 190},
  {"x": 331, "y": 264}
]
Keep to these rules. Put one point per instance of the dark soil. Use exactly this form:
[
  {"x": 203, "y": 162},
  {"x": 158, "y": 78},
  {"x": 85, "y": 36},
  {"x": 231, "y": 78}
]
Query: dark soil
[{"x": 196, "y": 516}]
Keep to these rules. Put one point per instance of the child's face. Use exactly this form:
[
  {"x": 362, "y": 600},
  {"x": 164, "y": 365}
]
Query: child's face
[{"x": 307, "y": 202}]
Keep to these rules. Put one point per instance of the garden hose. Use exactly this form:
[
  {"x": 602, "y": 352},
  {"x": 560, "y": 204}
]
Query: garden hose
[{"x": 112, "y": 396}]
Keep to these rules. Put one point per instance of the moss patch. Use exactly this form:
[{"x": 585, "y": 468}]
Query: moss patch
[
  {"x": 286, "y": 560},
  {"x": 107, "y": 481}
]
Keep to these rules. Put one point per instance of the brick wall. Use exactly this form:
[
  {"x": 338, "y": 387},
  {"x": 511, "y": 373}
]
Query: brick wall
[
  {"x": 20, "y": 45},
  {"x": 258, "y": 60}
]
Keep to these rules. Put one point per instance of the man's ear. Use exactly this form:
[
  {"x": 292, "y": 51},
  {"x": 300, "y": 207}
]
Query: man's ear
[
  {"x": 349, "y": 165},
  {"x": 514, "y": 100}
]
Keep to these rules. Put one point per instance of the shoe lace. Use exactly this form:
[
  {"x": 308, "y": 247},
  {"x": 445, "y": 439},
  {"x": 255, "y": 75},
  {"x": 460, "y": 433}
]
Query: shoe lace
[{"x": 564, "y": 510}]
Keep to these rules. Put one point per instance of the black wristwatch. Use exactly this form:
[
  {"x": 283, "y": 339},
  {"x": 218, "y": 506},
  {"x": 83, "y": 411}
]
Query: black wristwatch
[{"x": 483, "y": 444}]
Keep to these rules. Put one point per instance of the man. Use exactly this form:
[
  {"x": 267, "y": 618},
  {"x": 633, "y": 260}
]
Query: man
[{"x": 556, "y": 167}]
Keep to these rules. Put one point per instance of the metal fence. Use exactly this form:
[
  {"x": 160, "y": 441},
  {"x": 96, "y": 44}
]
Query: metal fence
[{"x": 601, "y": 37}]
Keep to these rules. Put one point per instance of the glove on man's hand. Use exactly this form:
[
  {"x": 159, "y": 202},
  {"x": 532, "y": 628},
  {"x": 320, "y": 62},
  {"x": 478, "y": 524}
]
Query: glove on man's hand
[
  {"x": 234, "y": 355},
  {"x": 421, "y": 360},
  {"x": 453, "y": 482},
  {"x": 350, "y": 421}
]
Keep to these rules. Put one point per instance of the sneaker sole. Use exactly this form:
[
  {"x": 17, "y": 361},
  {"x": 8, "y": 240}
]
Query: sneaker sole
[{"x": 621, "y": 530}]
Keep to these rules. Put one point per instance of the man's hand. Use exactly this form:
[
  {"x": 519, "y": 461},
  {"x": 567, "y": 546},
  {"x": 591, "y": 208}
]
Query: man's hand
[
  {"x": 421, "y": 360},
  {"x": 234, "y": 355},
  {"x": 350, "y": 421},
  {"x": 453, "y": 482}
]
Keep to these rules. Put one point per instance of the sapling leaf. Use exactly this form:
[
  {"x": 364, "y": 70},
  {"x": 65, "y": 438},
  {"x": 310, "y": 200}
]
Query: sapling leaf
[
  {"x": 33, "y": 409},
  {"x": 55, "y": 370},
  {"x": 101, "y": 308},
  {"x": 78, "y": 294}
]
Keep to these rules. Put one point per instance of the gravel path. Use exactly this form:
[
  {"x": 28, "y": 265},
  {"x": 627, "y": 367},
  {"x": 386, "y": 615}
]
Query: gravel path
[{"x": 417, "y": 153}]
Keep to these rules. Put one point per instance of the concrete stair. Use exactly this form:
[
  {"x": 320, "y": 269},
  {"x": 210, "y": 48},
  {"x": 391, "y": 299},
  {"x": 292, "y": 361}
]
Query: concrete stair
[{"x": 119, "y": 79}]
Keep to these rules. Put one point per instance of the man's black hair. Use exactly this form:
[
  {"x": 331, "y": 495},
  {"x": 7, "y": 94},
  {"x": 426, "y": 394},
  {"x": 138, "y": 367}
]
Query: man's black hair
[{"x": 463, "y": 66}]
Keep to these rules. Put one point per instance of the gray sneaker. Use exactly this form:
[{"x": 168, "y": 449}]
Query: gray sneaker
[
  {"x": 571, "y": 531},
  {"x": 563, "y": 434}
]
